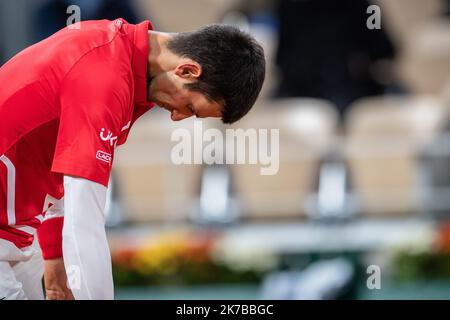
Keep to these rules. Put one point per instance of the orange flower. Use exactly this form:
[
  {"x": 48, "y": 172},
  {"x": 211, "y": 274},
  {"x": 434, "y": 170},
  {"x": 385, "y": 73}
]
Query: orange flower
[
  {"x": 166, "y": 253},
  {"x": 123, "y": 258},
  {"x": 443, "y": 238}
]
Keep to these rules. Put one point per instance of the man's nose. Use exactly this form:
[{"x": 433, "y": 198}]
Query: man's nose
[{"x": 177, "y": 116}]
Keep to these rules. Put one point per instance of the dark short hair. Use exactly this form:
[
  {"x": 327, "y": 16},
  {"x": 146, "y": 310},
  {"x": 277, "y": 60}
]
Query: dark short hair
[{"x": 233, "y": 66}]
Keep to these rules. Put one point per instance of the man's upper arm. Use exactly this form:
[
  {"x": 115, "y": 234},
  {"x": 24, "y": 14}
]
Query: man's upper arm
[{"x": 94, "y": 102}]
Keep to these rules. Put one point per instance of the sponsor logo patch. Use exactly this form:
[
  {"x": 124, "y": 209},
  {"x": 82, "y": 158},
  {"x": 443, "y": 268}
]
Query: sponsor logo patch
[
  {"x": 109, "y": 137},
  {"x": 103, "y": 156}
]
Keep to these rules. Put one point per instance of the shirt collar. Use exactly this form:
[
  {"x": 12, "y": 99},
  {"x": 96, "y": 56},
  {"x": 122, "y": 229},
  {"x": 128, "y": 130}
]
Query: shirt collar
[{"x": 138, "y": 35}]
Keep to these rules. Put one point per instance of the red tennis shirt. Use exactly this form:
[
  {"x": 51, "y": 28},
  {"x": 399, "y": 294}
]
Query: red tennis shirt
[{"x": 65, "y": 104}]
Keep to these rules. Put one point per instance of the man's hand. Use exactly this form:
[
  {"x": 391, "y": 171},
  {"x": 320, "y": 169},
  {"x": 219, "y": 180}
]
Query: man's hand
[{"x": 55, "y": 280}]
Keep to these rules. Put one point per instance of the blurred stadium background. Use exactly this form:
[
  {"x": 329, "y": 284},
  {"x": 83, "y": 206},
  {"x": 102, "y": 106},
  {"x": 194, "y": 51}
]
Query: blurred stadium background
[{"x": 364, "y": 182}]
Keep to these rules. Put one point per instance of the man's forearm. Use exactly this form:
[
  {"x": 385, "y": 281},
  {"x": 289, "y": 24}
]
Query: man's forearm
[
  {"x": 50, "y": 238},
  {"x": 50, "y": 231},
  {"x": 85, "y": 247},
  {"x": 55, "y": 280}
]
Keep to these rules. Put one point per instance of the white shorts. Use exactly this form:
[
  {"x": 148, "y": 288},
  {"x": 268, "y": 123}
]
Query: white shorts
[{"x": 21, "y": 272}]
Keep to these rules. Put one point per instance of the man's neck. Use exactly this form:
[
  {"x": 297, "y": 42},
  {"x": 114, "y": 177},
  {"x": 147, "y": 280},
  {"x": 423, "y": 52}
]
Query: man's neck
[{"x": 160, "y": 58}]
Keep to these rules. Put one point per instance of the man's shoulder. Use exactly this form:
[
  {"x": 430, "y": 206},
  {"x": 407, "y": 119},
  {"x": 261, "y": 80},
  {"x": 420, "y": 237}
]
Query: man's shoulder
[{"x": 61, "y": 51}]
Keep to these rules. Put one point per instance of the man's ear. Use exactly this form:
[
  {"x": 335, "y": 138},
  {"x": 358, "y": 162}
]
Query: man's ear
[{"x": 189, "y": 70}]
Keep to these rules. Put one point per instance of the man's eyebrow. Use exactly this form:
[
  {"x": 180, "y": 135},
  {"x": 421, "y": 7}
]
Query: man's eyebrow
[{"x": 208, "y": 97}]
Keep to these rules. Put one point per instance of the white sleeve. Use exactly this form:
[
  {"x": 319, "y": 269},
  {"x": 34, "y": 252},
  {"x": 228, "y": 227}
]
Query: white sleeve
[{"x": 85, "y": 248}]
